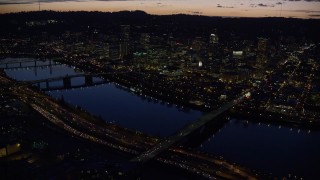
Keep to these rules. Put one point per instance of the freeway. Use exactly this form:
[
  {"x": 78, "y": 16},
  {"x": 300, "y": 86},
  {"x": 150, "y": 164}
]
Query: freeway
[
  {"x": 181, "y": 134},
  {"x": 123, "y": 140}
]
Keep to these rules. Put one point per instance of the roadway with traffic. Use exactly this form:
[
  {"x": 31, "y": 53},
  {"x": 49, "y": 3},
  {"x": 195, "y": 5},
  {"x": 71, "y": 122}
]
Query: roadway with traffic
[{"x": 124, "y": 140}]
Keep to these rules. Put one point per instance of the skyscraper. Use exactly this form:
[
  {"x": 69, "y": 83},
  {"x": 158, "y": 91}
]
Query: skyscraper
[
  {"x": 262, "y": 45},
  {"x": 125, "y": 32},
  {"x": 262, "y": 60},
  {"x": 213, "y": 39},
  {"x": 124, "y": 40},
  {"x": 213, "y": 46},
  {"x": 145, "y": 40}
]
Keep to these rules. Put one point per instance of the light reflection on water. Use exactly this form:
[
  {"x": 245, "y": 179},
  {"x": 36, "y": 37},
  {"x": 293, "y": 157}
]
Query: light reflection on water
[{"x": 268, "y": 148}]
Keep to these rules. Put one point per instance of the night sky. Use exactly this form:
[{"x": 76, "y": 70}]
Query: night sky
[{"x": 234, "y": 8}]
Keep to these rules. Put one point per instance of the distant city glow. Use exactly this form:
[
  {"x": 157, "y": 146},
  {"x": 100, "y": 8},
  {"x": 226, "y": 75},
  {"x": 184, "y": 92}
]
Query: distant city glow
[{"x": 233, "y": 8}]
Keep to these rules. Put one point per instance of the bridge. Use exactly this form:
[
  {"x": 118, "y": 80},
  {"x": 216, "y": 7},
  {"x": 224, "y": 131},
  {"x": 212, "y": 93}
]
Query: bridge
[
  {"x": 88, "y": 81},
  {"x": 186, "y": 131},
  {"x": 59, "y": 78},
  {"x": 54, "y": 88},
  {"x": 26, "y": 64},
  {"x": 4, "y": 62},
  {"x": 31, "y": 66},
  {"x": 66, "y": 81},
  {"x": 30, "y": 63}
]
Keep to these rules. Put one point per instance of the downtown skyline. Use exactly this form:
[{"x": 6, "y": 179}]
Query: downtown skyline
[{"x": 246, "y": 8}]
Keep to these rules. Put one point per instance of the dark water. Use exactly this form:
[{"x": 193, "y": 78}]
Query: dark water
[
  {"x": 113, "y": 103},
  {"x": 272, "y": 149},
  {"x": 267, "y": 148},
  {"x": 129, "y": 110}
]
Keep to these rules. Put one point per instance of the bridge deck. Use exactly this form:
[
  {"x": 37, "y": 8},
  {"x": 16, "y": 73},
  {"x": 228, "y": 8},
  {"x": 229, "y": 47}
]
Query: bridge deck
[
  {"x": 37, "y": 66},
  {"x": 60, "y": 78},
  {"x": 73, "y": 87},
  {"x": 17, "y": 62}
]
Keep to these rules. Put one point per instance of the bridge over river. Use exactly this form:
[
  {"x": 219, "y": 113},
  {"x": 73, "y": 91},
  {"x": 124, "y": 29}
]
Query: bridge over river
[{"x": 186, "y": 131}]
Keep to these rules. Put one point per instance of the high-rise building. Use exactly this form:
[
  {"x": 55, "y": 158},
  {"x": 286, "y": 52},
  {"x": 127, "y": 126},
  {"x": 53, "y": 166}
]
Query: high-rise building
[
  {"x": 114, "y": 53},
  {"x": 262, "y": 58},
  {"x": 125, "y": 32},
  {"x": 262, "y": 45},
  {"x": 197, "y": 44},
  {"x": 213, "y": 46},
  {"x": 214, "y": 39},
  {"x": 103, "y": 50},
  {"x": 145, "y": 40},
  {"x": 124, "y": 49},
  {"x": 124, "y": 40}
]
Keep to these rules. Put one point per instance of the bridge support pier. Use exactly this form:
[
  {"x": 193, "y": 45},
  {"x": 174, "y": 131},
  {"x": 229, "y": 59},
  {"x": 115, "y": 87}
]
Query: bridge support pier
[
  {"x": 50, "y": 66},
  {"x": 88, "y": 80},
  {"x": 67, "y": 82},
  {"x": 47, "y": 84},
  {"x": 35, "y": 71}
]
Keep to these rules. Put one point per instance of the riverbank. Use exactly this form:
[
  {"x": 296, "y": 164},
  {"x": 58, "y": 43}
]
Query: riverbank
[
  {"x": 256, "y": 115},
  {"x": 120, "y": 139},
  {"x": 249, "y": 114},
  {"x": 138, "y": 88}
]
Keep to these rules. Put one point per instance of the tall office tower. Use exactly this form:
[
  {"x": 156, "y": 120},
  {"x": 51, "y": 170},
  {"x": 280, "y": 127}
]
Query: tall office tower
[
  {"x": 145, "y": 40},
  {"x": 106, "y": 50},
  {"x": 197, "y": 44},
  {"x": 114, "y": 53},
  {"x": 214, "y": 39},
  {"x": 262, "y": 59},
  {"x": 125, "y": 32},
  {"x": 262, "y": 45},
  {"x": 103, "y": 51},
  {"x": 124, "y": 40},
  {"x": 213, "y": 46}
]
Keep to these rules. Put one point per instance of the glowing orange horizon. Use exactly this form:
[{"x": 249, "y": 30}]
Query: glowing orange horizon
[{"x": 297, "y": 9}]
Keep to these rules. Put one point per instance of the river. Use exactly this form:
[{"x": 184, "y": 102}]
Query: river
[{"x": 264, "y": 147}]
